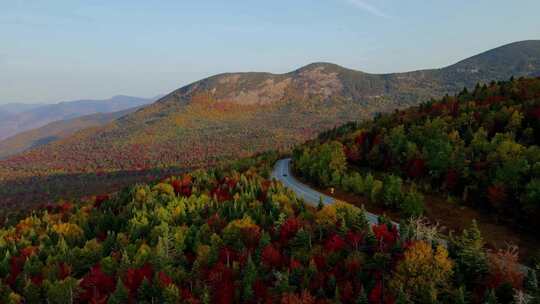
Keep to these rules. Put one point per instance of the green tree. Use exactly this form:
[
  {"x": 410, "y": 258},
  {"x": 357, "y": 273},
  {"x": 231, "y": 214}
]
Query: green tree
[
  {"x": 61, "y": 292},
  {"x": 490, "y": 297},
  {"x": 398, "y": 143},
  {"x": 147, "y": 291},
  {"x": 362, "y": 297},
  {"x": 249, "y": 277},
  {"x": 32, "y": 293},
  {"x": 391, "y": 192},
  {"x": 469, "y": 255},
  {"x": 461, "y": 296},
  {"x": 171, "y": 294},
  {"x": 531, "y": 282},
  {"x": 120, "y": 295},
  {"x": 413, "y": 203},
  {"x": 531, "y": 198},
  {"x": 402, "y": 297}
]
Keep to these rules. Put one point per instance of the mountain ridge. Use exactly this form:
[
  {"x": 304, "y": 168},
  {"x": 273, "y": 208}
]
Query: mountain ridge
[
  {"x": 466, "y": 69},
  {"x": 39, "y": 115},
  {"x": 232, "y": 115},
  {"x": 56, "y": 130}
]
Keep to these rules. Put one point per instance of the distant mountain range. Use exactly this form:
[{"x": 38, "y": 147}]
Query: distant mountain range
[
  {"x": 56, "y": 130},
  {"x": 15, "y": 108},
  {"x": 16, "y": 117},
  {"x": 237, "y": 114}
]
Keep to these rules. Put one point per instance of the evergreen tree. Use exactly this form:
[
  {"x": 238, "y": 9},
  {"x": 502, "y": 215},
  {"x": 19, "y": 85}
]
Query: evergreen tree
[
  {"x": 120, "y": 295},
  {"x": 362, "y": 297},
  {"x": 147, "y": 291},
  {"x": 61, "y": 292},
  {"x": 302, "y": 239},
  {"x": 401, "y": 297},
  {"x": 250, "y": 275},
  {"x": 337, "y": 296},
  {"x": 470, "y": 256},
  {"x": 4, "y": 264},
  {"x": 531, "y": 282},
  {"x": 320, "y": 205},
  {"x": 460, "y": 297},
  {"x": 171, "y": 294},
  {"x": 32, "y": 293},
  {"x": 490, "y": 297}
]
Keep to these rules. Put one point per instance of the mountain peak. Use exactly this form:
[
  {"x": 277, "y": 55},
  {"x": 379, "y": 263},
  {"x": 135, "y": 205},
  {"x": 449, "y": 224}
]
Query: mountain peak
[
  {"x": 320, "y": 65},
  {"x": 521, "y": 57}
]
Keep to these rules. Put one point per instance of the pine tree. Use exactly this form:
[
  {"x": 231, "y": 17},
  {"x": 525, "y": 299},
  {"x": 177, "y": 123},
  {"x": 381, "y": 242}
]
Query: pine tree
[
  {"x": 206, "y": 298},
  {"x": 337, "y": 296},
  {"x": 250, "y": 275},
  {"x": 61, "y": 292},
  {"x": 531, "y": 282},
  {"x": 362, "y": 297},
  {"x": 490, "y": 297},
  {"x": 469, "y": 254},
  {"x": 302, "y": 239},
  {"x": 146, "y": 291},
  {"x": 32, "y": 293},
  {"x": 171, "y": 294},
  {"x": 320, "y": 205},
  {"x": 401, "y": 297},
  {"x": 120, "y": 295},
  {"x": 461, "y": 296},
  {"x": 4, "y": 264}
]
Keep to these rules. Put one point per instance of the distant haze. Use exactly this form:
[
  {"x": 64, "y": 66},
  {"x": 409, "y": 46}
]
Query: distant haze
[
  {"x": 15, "y": 118},
  {"x": 66, "y": 50}
]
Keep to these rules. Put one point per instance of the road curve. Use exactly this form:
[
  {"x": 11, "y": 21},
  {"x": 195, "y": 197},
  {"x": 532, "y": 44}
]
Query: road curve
[{"x": 282, "y": 172}]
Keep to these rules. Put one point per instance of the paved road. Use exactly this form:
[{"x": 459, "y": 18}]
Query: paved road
[{"x": 282, "y": 172}]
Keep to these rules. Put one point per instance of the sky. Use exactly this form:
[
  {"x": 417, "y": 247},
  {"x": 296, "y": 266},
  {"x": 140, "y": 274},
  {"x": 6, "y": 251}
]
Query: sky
[{"x": 59, "y": 50}]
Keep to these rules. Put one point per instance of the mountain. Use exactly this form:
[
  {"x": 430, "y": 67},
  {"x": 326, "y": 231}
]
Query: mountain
[
  {"x": 480, "y": 147},
  {"x": 15, "y": 108},
  {"x": 55, "y": 131},
  {"x": 8, "y": 110},
  {"x": 238, "y": 114},
  {"x": 22, "y": 117}
]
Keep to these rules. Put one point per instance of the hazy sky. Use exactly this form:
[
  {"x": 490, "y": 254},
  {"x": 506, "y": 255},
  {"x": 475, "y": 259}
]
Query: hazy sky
[{"x": 67, "y": 49}]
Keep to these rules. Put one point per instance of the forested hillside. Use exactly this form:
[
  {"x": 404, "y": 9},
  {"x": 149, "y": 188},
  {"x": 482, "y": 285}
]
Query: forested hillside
[
  {"x": 478, "y": 149},
  {"x": 55, "y": 131},
  {"x": 233, "y": 236},
  {"x": 232, "y": 115}
]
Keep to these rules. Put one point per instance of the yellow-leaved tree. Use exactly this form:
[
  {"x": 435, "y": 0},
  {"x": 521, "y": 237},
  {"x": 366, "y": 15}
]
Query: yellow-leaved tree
[{"x": 424, "y": 273}]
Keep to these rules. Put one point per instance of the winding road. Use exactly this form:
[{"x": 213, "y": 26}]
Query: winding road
[{"x": 282, "y": 172}]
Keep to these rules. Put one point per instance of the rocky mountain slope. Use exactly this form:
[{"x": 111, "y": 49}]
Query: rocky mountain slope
[{"x": 237, "y": 114}]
